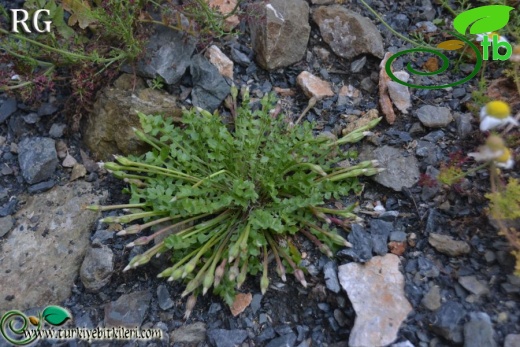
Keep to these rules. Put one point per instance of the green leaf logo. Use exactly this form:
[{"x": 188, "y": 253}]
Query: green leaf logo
[
  {"x": 482, "y": 19},
  {"x": 56, "y": 315}
]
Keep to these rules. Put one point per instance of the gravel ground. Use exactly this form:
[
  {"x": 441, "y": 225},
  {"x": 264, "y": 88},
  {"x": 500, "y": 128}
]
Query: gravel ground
[{"x": 449, "y": 294}]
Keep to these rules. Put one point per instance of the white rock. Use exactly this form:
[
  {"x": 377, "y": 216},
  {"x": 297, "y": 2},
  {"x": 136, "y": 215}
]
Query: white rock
[
  {"x": 376, "y": 290},
  {"x": 400, "y": 94}
]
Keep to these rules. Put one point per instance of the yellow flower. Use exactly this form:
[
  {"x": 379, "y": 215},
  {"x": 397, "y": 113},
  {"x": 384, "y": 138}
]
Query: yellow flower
[
  {"x": 494, "y": 114},
  {"x": 495, "y": 150}
]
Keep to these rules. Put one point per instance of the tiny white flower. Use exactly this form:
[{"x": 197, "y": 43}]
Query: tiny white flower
[
  {"x": 495, "y": 150},
  {"x": 500, "y": 38},
  {"x": 494, "y": 114}
]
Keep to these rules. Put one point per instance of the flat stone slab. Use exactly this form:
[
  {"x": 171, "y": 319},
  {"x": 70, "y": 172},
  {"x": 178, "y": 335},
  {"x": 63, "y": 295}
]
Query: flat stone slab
[
  {"x": 376, "y": 290},
  {"x": 41, "y": 256}
]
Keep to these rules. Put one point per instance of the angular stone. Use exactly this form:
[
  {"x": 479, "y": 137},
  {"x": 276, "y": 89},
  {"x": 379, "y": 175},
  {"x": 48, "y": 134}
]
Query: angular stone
[
  {"x": 473, "y": 285},
  {"x": 6, "y": 224},
  {"x": 7, "y": 108},
  {"x": 330, "y": 274},
  {"x": 432, "y": 299},
  {"x": 108, "y": 129},
  {"x": 223, "y": 64},
  {"x": 242, "y": 301},
  {"x": 283, "y": 341},
  {"x": 361, "y": 251},
  {"x": 402, "y": 169},
  {"x": 39, "y": 267},
  {"x": 400, "y": 94},
  {"x": 348, "y": 33},
  {"x": 191, "y": 333},
  {"x": 209, "y": 87},
  {"x": 97, "y": 267},
  {"x": 281, "y": 38},
  {"x": 376, "y": 291},
  {"x": 164, "y": 298},
  {"x": 447, "y": 245},
  {"x": 128, "y": 311},
  {"x": 227, "y": 338},
  {"x": 434, "y": 116},
  {"x": 37, "y": 158},
  {"x": 447, "y": 321},
  {"x": 313, "y": 86},
  {"x": 478, "y": 332},
  {"x": 167, "y": 55}
]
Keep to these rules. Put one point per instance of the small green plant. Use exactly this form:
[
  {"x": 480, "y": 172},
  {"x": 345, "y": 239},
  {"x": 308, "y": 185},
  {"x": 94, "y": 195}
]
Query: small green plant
[{"x": 232, "y": 197}]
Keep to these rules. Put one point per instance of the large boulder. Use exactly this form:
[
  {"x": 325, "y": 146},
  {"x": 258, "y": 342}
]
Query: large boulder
[
  {"x": 281, "y": 39},
  {"x": 108, "y": 129},
  {"x": 40, "y": 258}
]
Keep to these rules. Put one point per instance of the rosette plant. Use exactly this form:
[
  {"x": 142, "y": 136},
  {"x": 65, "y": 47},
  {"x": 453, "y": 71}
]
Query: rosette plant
[{"x": 221, "y": 199}]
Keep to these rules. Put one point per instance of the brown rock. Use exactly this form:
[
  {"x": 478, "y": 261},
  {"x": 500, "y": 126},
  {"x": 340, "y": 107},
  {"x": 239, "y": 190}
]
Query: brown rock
[
  {"x": 108, "y": 129},
  {"x": 281, "y": 38},
  {"x": 242, "y": 301},
  {"x": 397, "y": 248},
  {"x": 348, "y": 33},
  {"x": 447, "y": 245},
  {"x": 313, "y": 86},
  {"x": 225, "y": 7},
  {"x": 221, "y": 61}
]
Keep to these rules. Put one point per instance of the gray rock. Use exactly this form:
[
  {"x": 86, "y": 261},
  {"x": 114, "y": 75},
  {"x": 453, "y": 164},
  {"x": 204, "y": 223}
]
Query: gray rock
[
  {"x": 47, "y": 109},
  {"x": 31, "y": 118},
  {"x": 39, "y": 267},
  {"x": 434, "y": 136},
  {"x": 361, "y": 241},
  {"x": 398, "y": 236},
  {"x": 330, "y": 270},
  {"x": 41, "y": 187},
  {"x": 227, "y": 338},
  {"x": 7, "y": 108},
  {"x": 380, "y": 230},
  {"x": 255, "y": 303},
  {"x": 478, "y": 332},
  {"x": 239, "y": 57},
  {"x": 432, "y": 299},
  {"x": 427, "y": 268},
  {"x": 37, "y": 158},
  {"x": 164, "y": 298},
  {"x": 6, "y": 224},
  {"x": 97, "y": 268},
  {"x": 267, "y": 334},
  {"x": 447, "y": 321},
  {"x": 464, "y": 126},
  {"x": 358, "y": 64},
  {"x": 167, "y": 55},
  {"x": 283, "y": 341},
  {"x": 8, "y": 208},
  {"x": 402, "y": 169},
  {"x": 348, "y": 33},
  {"x": 512, "y": 340},
  {"x": 209, "y": 87},
  {"x": 281, "y": 38},
  {"x": 129, "y": 310},
  {"x": 57, "y": 130},
  {"x": 473, "y": 285},
  {"x": 191, "y": 333},
  {"x": 447, "y": 245},
  {"x": 376, "y": 291},
  {"x": 434, "y": 116}
]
